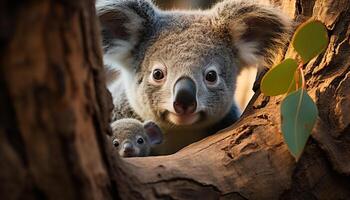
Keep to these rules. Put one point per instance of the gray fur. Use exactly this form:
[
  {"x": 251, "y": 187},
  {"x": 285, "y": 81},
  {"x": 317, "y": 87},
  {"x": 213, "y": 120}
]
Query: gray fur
[
  {"x": 129, "y": 130},
  {"x": 138, "y": 37},
  {"x": 122, "y": 108}
]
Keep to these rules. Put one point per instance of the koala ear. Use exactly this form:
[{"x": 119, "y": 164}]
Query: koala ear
[
  {"x": 153, "y": 131},
  {"x": 123, "y": 26},
  {"x": 258, "y": 32}
]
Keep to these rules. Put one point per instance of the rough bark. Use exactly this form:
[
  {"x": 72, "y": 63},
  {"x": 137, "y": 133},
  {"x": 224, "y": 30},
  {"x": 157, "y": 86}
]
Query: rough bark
[
  {"x": 54, "y": 116},
  {"x": 53, "y": 112}
]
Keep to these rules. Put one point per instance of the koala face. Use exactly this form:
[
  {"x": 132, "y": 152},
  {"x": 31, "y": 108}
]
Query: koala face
[
  {"x": 188, "y": 84},
  {"x": 134, "y": 146},
  {"x": 131, "y": 138},
  {"x": 179, "y": 67}
]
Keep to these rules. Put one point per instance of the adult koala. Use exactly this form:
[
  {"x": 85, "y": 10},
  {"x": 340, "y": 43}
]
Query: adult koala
[{"x": 179, "y": 68}]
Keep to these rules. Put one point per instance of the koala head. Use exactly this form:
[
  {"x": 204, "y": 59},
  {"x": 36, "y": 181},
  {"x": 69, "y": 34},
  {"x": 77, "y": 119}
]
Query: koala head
[
  {"x": 180, "y": 67},
  {"x": 131, "y": 138}
]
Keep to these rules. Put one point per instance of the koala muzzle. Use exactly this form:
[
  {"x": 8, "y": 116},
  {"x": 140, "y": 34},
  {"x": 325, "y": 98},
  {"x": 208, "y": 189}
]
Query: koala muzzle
[
  {"x": 128, "y": 148},
  {"x": 185, "y": 96}
]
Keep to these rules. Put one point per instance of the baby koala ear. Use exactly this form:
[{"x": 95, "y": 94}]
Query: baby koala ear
[
  {"x": 123, "y": 24},
  {"x": 257, "y": 31},
  {"x": 153, "y": 132}
]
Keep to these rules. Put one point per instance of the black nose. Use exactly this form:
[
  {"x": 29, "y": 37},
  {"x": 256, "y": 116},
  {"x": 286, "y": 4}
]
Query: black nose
[
  {"x": 185, "y": 96},
  {"x": 128, "y": 148}
]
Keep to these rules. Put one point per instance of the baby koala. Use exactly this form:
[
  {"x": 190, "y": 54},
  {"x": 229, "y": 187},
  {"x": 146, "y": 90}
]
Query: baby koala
[{"x": 131, "y": 138}]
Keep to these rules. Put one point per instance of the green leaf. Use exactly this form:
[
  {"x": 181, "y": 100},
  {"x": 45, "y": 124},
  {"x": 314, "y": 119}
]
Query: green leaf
[
  {"x": 299, "y": 114},
  {"x": 310, "y": 39},
  {"x": 278, "y": 80}
]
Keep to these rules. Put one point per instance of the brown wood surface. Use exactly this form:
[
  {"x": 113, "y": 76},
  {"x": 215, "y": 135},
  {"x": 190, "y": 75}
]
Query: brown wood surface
[
  {"x": 53, "y": 113},
  {"x": 54, "y": 117}
]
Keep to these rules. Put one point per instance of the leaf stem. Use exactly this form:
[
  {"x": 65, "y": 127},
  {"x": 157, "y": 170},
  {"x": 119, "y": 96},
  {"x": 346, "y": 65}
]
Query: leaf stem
[
  {"x": 296, "y": 79},
  {"x": 300, "y": 73},
  {"x": 302, "y": 78}
]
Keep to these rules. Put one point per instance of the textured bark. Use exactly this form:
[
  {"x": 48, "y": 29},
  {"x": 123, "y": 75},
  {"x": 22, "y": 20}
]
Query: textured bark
[{"x": 54, "y": 115}]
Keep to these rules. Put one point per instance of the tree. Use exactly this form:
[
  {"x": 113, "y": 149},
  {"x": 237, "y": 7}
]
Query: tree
[
  {"x": 56, "y": 112},
  {"x": 53, "y": 104}
]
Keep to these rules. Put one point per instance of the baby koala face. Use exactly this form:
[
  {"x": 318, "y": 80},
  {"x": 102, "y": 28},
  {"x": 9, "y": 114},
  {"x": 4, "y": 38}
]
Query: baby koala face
[{"x": 131, "y": 138}]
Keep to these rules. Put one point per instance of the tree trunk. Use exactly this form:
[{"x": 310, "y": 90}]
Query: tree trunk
[{"x": 54, "y": 114}]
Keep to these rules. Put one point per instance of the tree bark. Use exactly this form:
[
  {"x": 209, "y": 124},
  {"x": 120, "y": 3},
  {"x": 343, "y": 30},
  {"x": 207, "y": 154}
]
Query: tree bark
[
  {"x": 54, "y": 113},
  {"x": 53, "y": 102}
]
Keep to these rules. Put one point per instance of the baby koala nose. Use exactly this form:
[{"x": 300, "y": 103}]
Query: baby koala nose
[
  {"x": 185, "y": 96},
  {"x": 128, "y": 148}
]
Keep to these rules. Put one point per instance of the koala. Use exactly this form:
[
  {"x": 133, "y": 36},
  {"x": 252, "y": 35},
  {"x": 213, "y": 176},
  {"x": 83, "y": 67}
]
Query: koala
[
  {"x": 131, "y": 138},
  {"x": 179, "y": 68}
]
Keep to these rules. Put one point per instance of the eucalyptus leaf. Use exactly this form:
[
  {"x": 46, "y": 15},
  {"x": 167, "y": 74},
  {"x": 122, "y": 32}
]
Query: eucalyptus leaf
[
  {"x": 279, "y": 79},
  {"x": 299, "y": 114},
  {"x": 310, "y": 39}
]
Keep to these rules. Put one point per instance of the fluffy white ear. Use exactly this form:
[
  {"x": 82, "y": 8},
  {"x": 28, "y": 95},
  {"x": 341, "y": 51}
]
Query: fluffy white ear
[
  {"x": 123, "y": 26},
  {"x": 256, "y": 31}
]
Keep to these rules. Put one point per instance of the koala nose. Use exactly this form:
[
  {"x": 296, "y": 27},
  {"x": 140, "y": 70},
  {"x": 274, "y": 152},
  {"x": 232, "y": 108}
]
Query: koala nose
[
  {"x": 185, "y": 96},
  {"x": 128, "y": 148}
]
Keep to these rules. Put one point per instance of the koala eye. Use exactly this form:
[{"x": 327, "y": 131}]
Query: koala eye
[
  {"x": 140, "y": 141},
  {"x": 115, "y": 143},
  {"x": 211, "y": 76},
  {"x": 158, "y": 74}
]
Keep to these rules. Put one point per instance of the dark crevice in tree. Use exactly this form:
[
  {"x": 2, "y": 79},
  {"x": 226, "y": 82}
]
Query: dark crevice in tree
[
  {"x": 8, "y": 121},
  {"x": 37, "y": 193},
  {"x": 265, "y": 100},
  {"x": 299, "y": 8},
  {"x": 185, "y": 179},
  {"x": 246, "y": 132},
  {"x": 233, "y": 195}
]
